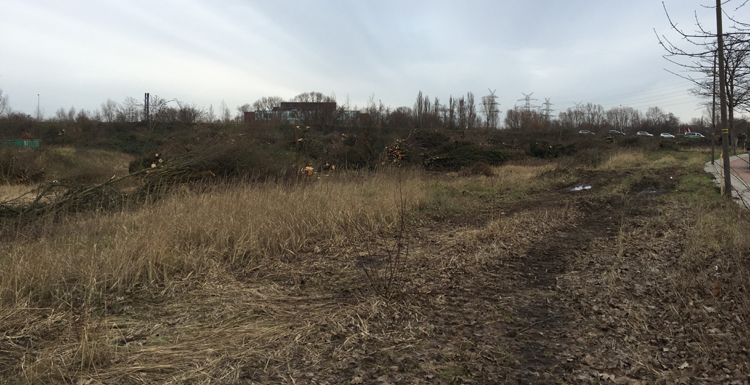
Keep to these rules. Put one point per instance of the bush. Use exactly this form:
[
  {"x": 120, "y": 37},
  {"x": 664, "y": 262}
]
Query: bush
[
  {"x": 544, "y": 150},
  {"x": 463, "y": 154},
  {"x": 18, "y": 166}
]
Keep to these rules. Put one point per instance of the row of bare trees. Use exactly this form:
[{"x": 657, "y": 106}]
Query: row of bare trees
[
  {"x": 161, "y": 110},
  {"x": 594, "y": 117},
  {"x": 716, "y": 62}
]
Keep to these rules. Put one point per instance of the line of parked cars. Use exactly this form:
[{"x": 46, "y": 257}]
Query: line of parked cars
[{"x": 665, "y": 135}]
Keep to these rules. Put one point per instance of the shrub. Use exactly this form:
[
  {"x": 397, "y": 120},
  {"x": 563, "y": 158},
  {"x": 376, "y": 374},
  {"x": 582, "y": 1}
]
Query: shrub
[{"x": 545, "y": 150}]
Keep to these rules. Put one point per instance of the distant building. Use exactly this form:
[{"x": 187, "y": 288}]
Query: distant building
[{"x": 308, "y": 114}]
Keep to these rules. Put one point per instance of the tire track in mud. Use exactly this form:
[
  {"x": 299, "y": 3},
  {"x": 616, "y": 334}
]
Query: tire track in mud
[{"x": 544, "y": 345}]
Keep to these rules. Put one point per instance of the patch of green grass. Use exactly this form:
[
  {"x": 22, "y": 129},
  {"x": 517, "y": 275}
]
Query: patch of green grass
[
  {"x": 696, "y": 188},
  {"x": 455, "y": 198},
  {"x": 442, "y": 202}
]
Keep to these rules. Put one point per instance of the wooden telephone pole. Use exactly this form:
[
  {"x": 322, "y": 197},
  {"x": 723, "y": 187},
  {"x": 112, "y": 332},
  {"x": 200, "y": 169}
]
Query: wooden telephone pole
[{"x": 723, "y": 104}]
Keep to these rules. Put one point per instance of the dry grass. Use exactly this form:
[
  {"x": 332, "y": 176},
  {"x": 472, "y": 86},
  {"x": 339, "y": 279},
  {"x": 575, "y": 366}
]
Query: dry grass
[
  {"x": 102, "y": 262},
  {"x": 243, "y": 225},
  {"x": 514, "y": 233},
  {"x": 665, "y": 161},
  {"x": 716, "y": 253},
  {"x": 624, "y": 159},
  {"x": 520, "y": 176},
  {"x": 25, "y": 192},
  {"x": 89, "y": 255},
  {"x": 246, "y": 282}
]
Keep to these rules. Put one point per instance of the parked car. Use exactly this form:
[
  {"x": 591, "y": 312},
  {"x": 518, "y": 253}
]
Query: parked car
[
  {"x": 585, "y": 132},
  {"x": 694, "y": 135},
  {"x": 615, "y": 132},
  {"x": 643, "y": 133},
  {"x": 666, "y": 135}
]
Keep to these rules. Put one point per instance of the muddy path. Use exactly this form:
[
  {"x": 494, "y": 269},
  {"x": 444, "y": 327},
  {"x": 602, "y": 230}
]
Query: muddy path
[
  {"x": 542, "y": 337},
  {"x": 560, "y": 287}
]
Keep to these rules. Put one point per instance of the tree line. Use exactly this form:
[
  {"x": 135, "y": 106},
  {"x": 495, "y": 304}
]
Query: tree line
[{"x": 455, "y": 113}]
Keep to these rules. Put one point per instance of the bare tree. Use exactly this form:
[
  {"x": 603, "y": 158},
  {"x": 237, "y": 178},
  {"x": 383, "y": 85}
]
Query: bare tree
[
  {"x": 737, "y": 73},
  {"x": 702, "y": 50},
  {"x": 324, "y": 114},
  {"x": 109, "y": 110},
  {"x": 65, "y": 116},
  {"x": 82, "y": 116},
  {"x": 131, "y": 109},
  {"x": 4, "y": 104},
  {"x": 654, "y": 117},
  {"x": 160, "y": 112},
  {"x": 471, "y": 111},
  {"x": 594, "y": 115},
  {"x": 618, "y": 117},
  {"x": 226, "y": 114},
  {"x": 514, "y": 119},
  {"x": 188, "y": 113},
  {"x": 267, "y": 103},
  {"x": 264, "y": 108},
  {"x": 419, "y": 109},
  {"x": 520, "y": 118},
  {"x": 451, "y": 121},
  {"x": 461, "y": 110},
  {"x": 61, "y": 115},
  {"x": 437, "y": 109},
  {"x": 570, "y": 118}
]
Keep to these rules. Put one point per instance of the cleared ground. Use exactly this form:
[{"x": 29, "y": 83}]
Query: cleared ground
[{"x": 511, "y": 278}]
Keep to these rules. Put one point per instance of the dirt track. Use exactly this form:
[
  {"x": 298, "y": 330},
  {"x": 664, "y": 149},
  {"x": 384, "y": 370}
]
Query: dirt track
[
  {"x": 581, "y": 303},
  {"x": 554, "y": 287}
]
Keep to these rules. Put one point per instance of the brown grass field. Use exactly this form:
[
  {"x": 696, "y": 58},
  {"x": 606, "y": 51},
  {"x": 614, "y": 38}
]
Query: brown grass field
[{"x": 396, "y": 276}]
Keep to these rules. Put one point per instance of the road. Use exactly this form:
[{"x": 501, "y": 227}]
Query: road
[{"x": 740, "y": 177}]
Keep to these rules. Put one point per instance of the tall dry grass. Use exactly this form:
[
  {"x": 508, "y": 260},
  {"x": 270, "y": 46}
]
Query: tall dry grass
[
  {"x": 718, "y": 250},
  {"x": 624, "y": 159},
  {"x": 22, "y": 192},
  {"x": 239, "y": 224},
  {"x": 242, "y": 225}
]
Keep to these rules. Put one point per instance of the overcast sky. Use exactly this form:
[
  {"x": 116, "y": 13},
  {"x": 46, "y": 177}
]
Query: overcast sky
[{"x": 81, "y": 53}]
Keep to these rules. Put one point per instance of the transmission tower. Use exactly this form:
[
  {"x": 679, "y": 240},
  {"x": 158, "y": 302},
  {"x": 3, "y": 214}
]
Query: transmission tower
[
  {"x": 492, "y": 97},
  {"x": 492, "y": 111},
  {"x": 547, "y": 108},
  {"x": 527, "y": 99}
]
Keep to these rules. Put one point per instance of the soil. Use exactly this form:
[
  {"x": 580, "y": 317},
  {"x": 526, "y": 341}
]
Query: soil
[
  {"x": 568, "y": 304},
  {"x": 577, "y": 299}
]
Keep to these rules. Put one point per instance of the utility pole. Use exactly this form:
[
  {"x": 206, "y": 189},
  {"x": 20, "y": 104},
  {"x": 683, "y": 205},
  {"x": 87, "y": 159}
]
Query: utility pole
[
  {"x": 723, "y": 104},
  {"x": 713, "y": 114}
]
